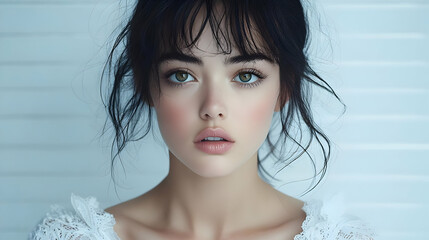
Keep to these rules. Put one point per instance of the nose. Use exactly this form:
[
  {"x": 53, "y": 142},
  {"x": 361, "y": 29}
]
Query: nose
[{"x": 213, "y": 103}]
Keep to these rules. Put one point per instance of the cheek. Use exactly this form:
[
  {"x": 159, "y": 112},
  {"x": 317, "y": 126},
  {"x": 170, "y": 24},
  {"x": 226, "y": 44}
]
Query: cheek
[
  {"x": 173, "y": 118},
  {"x": 260, "y": 112}
]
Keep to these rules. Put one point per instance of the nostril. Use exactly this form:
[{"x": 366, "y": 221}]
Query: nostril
[{"x": 208, "y": 116}]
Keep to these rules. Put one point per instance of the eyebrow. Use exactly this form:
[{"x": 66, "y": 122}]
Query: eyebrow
[
  {"x": 249, "y": 58},
  {"x": 231, "y": 60}
]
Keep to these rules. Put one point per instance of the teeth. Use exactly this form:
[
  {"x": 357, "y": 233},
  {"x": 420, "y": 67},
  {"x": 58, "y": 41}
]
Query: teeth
[{"x": 213, "y": 139}]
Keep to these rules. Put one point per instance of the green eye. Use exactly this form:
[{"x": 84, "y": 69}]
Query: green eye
[
  {"x": 245, "y": 77},
  {"x": 181, "y": 76}
]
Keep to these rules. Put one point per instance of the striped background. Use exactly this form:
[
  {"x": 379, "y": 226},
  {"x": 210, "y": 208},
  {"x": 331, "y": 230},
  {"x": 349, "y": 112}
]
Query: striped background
[{"x": 51, "y": 56}]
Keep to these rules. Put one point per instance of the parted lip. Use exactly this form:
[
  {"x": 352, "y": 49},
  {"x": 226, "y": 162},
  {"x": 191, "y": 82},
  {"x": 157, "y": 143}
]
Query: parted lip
[{"x": 213, "y": 132}]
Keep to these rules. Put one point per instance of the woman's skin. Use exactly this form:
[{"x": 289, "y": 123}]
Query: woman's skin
[{"x": 213, "y": 196}]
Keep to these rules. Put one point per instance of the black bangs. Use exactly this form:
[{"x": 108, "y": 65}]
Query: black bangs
[{"x": 232, "y": 24}]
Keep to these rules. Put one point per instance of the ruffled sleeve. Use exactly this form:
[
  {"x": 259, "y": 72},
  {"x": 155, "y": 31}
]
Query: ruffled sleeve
[
  {"x": 85, "y": 222},
  {"x": 327, "y": 221}
]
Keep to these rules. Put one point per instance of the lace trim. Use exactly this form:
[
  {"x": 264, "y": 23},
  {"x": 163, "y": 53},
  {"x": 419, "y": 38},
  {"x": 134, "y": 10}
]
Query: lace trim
[
  {"x": 328, "y": 222},
  {"x": 323, "y": 222},
  {"x": 87, "y": 222}
]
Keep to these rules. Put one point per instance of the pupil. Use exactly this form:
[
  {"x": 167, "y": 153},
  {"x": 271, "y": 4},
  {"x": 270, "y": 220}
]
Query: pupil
[
  {"x": 245, "y": 77},
  {"x": 181, "y": 76}
]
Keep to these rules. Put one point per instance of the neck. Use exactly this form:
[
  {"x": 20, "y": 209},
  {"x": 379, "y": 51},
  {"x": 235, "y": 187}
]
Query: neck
[{"x": 210, "y": 206}]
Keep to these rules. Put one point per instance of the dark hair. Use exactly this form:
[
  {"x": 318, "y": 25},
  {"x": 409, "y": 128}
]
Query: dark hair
[{"x": 157, "y": 26}]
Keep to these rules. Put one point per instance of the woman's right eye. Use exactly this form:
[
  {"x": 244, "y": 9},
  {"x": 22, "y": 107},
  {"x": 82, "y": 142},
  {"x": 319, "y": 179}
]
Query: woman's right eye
[{"x": 178, "y": 78}]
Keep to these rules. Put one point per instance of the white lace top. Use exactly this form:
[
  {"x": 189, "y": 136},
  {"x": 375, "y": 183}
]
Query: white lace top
[{"x": 324, "y": 221}]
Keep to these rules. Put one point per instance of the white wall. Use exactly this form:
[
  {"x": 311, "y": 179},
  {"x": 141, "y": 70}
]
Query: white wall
[{"x": 51, "y": 56}]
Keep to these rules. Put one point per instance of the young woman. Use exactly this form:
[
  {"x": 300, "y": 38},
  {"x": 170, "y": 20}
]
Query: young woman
[{"x": 215, "y": 73}]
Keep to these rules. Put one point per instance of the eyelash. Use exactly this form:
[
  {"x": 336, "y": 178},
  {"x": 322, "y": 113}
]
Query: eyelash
[{"x": 255, "y": 72}]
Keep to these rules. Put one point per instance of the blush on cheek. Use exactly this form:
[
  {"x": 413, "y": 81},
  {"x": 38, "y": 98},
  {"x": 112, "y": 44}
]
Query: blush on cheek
[
  {"x": 172, "y": 119},
  {"x": 262, "y": 113},
  {"x": 170, "y": 113}
]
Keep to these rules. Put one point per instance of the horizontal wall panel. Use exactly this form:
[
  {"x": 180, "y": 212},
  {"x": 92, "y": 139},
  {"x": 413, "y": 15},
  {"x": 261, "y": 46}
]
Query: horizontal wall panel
[
  {"x": 381, "y": 77},
  {"x": 45, "y": 132},
  {"x": 388, "y": 131},
  {"x": 62, "y": 101},
  {"x": 381, "y": 188},
  {"x": 15, "y": 212},
  {"x": 50, "y": 76},
  {"x": 46, "y": 48},
  {"x": 385, "y": 147},
  {"x": 392, "y": 162},
  {"x": 356, "y": 2},
  {"x": 351, "y": 49},
  {"x": 42, "y": 189},
  {"x": 58, "y": 188},
  {"x": 394, "y": 235},
  {"x": 56, "y": 132},
  {"x": 58, "y": 18},
  {"x": 57, "y": 162},
  {"x": 13, "y": 235},
  {"x": 54, "y": 2},
  {"x": 386, "y": 103},
  {"x": 376, "y": 18},
  {"x": 395, "y": 216}
]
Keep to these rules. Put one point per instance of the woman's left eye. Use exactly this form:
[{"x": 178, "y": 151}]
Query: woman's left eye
[
  {"x": 249, "y": 78},
  {"x": 246, "y": 77}
]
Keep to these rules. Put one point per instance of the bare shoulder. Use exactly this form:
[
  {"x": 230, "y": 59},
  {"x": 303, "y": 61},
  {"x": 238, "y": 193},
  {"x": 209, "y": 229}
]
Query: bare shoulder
[
  {"x": 136, "y": 217},
  {"x": 293, "y": 206},
  {"x": 294, "y": 216},
  {"x": 281, "y": 218},
  {"x": 123, "y": 217}
]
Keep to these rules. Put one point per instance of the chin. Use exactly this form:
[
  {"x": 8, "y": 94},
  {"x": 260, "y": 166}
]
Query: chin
[{"x": 213, "y": 168}]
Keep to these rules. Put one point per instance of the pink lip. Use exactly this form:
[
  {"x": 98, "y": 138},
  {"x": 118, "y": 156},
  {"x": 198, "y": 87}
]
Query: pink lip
[
  {"x": 212, "y": 132},
  {"x": 214, "y": 147}
]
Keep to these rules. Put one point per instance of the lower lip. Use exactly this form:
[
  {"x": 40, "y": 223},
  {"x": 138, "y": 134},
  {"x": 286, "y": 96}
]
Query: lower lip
[{"x": 214, "y": 147}]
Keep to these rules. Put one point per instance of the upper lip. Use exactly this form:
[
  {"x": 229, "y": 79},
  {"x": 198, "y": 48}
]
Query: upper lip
[{"x": 213, "y": 132}]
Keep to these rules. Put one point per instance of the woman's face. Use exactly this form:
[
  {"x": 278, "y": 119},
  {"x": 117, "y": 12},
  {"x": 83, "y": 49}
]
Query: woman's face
[{"x": 215, "y": 92}]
